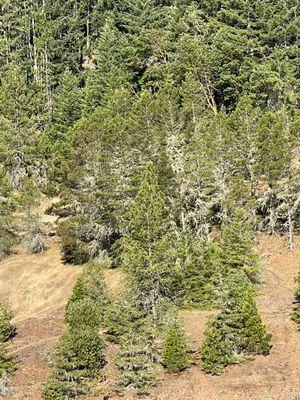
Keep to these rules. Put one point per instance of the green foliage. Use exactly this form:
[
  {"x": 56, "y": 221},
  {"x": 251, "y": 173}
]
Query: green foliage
[
  {"x": 8, "y": 237},
  {"x": 90, "y": 286},
  {"x": 82, "y": 239},
  {"x": 7, "y": 361},
  {"x": 148, "y": 243},
  {"x": 217, "y": 348},
  {"x": 82, "y": 313},
  {"x": 237, "y": 245},
  {"x": 125, "y": 313},
  {"x": 77, "y": 359},
  {"x": 7, "y": 330},
  {"x": 237, "y": 332},
  {"x": 138, "y": 360},
  {"x": 203, "y": 276},
  {"x": 175, "y": 353},
  {"x": 36, "y": 240}
]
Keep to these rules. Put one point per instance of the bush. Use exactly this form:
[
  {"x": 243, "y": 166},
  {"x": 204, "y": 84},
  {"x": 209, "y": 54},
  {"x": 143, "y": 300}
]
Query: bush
[
  {"x": 7, "y": 361},
  {"x": 175, "y": 352},
  {"x": 74, "y": 252},
  {"x": 82, "y": 239}
]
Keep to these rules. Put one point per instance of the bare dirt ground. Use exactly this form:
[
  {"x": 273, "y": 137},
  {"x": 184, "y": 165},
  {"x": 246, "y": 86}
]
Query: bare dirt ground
[{"x": 38, "y": 287}]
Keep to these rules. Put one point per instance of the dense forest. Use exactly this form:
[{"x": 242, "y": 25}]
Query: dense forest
[{"x": 169, "y": 131}]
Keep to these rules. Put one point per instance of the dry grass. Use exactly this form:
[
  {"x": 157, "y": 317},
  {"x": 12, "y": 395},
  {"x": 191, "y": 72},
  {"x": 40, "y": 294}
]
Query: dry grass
[{"x": 38, "y": 287}]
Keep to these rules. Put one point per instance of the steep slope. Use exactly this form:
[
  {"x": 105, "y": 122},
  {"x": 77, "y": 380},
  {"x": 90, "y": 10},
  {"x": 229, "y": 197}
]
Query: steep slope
[{"x": 38, "y": 287}]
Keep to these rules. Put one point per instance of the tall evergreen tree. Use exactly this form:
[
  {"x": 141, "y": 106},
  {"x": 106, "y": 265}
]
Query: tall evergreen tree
[{"x": 149, "y": 255}]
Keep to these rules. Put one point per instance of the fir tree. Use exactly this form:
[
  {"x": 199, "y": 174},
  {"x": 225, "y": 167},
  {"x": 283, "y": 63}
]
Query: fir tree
[
  {"x": 237, "y": 332},
  {"x": 91, "y": 286},
  {"x": 77, "y": 359},
  {"x": 237, "y": 245},
  {"x": 175, "y": 352},
  {"x": 138, "y": 360},
  {"x": 149, "y": 255}
]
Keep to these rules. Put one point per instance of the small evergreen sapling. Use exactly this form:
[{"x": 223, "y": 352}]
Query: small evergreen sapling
[
  {"x": 138, "y": 360},
  {"x": 237, "y": 245},
  {"x": 237, "y": 332},
  {"x": 36, "y": 240},
  {"x": 175, "y": 352},
  {"x": 77, "y": 360}
]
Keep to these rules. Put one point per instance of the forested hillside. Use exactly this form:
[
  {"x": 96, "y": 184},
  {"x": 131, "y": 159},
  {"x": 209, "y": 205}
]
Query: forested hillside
[{"x": 164, "y": 135}]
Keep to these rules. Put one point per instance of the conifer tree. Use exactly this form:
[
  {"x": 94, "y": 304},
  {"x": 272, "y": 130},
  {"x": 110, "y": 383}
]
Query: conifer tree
[
  {"x": 91, "y": 286},
  {"x": 149, "y": 255},
  {"x": 237, "y": 245},
  {"x": 138, "y": 360},
  {"x": 77, "y": 359},
  {"x": 175, "y": 352},
  {"x": 203, "y": 276},
  {"x": 7, "y": 331},
  {"x": 237, "y": 332}
]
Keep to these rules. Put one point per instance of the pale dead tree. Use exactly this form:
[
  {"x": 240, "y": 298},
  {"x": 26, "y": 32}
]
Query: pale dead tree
[
  {"x": 18, "y": 170},
  {"x": 36, "y": 238}
]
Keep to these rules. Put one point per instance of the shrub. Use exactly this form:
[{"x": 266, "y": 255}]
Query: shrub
[
  {"x": 74, "y": 252},
  {"x": 82, "y": 239}
]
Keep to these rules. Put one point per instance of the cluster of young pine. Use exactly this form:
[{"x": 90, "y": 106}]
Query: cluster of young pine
[{"x": 78, "y": 360}]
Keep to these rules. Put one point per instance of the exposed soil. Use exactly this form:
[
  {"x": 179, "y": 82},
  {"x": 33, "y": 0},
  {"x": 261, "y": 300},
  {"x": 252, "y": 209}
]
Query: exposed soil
[{"x": 38, "y": 287}]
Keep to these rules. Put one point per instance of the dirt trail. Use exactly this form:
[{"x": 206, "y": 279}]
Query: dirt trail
[{"x": 38, "y": 287}]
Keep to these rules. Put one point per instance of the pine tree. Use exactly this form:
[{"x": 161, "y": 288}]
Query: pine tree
[
  {"x": 237, "y": 332},
  {"x": 91, "y": 286},
  {"x": 217, "y": 349},
  {"x": 149, "y": 255},
  {"x": 7, "y": 331},
  {"x": 138, "y": 360},
  {"x": 203, "y": 276},
  {"x": 237, "y": 245},
  {"x": 175, "y": 352},
  {"x": 77, "y": 359}
]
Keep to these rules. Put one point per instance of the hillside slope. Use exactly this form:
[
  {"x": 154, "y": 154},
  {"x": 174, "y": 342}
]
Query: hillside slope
[{"x": 38, "y": 287}]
